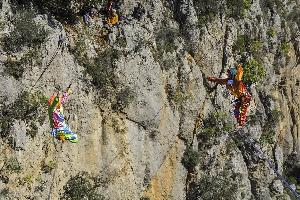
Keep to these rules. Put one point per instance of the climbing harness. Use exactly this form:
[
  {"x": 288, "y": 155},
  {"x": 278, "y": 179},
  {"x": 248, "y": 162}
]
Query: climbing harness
[{"x": 260, "y": 154}]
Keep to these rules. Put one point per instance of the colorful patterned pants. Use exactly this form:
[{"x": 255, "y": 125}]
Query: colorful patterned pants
[
  {"x": 241, "y": 108},
  {"x": 67, "y": 131}
]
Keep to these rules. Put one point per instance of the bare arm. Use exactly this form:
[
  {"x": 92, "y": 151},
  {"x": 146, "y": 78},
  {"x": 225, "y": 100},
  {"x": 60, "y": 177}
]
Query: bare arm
[{"x": 221, "y": 81}]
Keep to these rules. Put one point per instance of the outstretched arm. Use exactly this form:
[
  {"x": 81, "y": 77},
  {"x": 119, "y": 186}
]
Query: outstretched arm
[
  {"x": 66, "y": 95},
  {"x": 221, "y": 81}
]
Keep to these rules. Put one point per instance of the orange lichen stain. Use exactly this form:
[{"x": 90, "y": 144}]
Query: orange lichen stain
[{"x": 160, "y": 187}]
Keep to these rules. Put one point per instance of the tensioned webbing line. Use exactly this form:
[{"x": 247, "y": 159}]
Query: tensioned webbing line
[{"x": 263, "y": 156}]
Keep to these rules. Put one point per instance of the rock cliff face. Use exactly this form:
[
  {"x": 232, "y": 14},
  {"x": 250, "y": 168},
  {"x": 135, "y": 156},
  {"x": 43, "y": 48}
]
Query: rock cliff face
[{"x": 150, "y": 126}]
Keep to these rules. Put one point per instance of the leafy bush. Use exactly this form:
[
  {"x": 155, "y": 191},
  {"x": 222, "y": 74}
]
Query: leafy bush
[
  {"x": 277, "y": 5},
  {"x": 271, "y": 32},
  {"x": 256, "y": 46},
  {"x": 26, "y": 32},
  {"x": 101, "y": 68},
  {"x": 16, "y": 68},
  {"x": 253, "y": 71},
  {"x": 47, "y": 167},
  {"x": 207, "y": 10},
  {"x": 285, "y": 48},
  {"x": 241, "y": 44},
  {"x": 2, "y": 24},
  {"x": 180, "y": 97},
  {"x": 237, "y": 8},
  {"x": 267, "y": 136},
  {"x": 61, "y": 9},
  {"x": 125, "y": 97},
  {"x": 4, "y": 193},
  {"x": 190, "y": 159},
  {"x": 26, "y": 108},
  {"x": 214, "y": 125},
  {"x": 268, "y": 132},
  {"x": 165, "y": 40},
  {"x": 244, "y": 43},
  {"x": 12, "y": 164},
  {"x": 274, "y": 117},
  {"x": 255, "y": 118},
  {"x": 291, "y": 170},
  {"x": 81, "y": 186},
  {"x": 218, "y": 187},
  {"x": 103, "y": 72},
  {"x": 26, "y": 180}
]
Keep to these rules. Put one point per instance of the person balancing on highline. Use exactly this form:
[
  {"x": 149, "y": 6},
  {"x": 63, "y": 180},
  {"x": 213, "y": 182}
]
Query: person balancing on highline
[
  {"x": 239, "y": 90},
  {"x": 60, "y": 129}
]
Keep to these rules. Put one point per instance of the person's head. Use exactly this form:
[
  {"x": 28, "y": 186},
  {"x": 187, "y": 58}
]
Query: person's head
[{"x": 231, "y": 73}]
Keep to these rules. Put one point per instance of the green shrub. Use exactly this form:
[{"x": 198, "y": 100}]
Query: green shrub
[
  {"x": 49, "y": 166},
  {"x": 277, "y": 5},
  {"x": 165, "y": 39},
  {"x": 12, "y": 164},
  {"x": 27, "y": 105},
  {"x": 218, "y": 187},
  {"x": 241, "y": 44},
  {"x": 207, "y": 10},
  {"x": 122, "y": 42},
  {"x": 61, "y": 9},
  {"x": 33, "y": 130},
  {"x": 100, "y": 68},
  {"x": 256, "y": 46},
  {"x": 16, "y": 68},
  {"x": 103, "y": 72},
  {"x": 190, "y": 159},
  {"x": 81, "y": 186},
  {"x": 237, "y": 8},
  {"x": 168, "y": 64},
  {"x": 268, "y": 132},
  {"x": 180, "y": 97},
  {"x": 230, "y": 146},
  {"x": 4, "y": 193},
  {"x": 214, "y": 125},
  {"x": 285, "y": 48},
  {"x": 125, "y": 97},
  {"x": 274, "y": 117},
  {"x": 2, "y": 25},
  {"x": 79, "y": 51},
  {"x": 255, "y": 118},
  {"x": 26, "y": 32},
  {"x": 271, "y": 32},
  {"x": 246, "y": 44},
  {"x": 253, "y": 71},
  {"x": 26, "y": 108},
  {"x": 26, "y": 180},
  {"x": 267, "y": 136}
]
